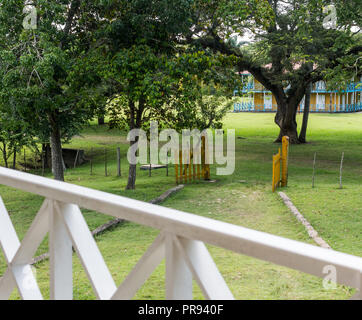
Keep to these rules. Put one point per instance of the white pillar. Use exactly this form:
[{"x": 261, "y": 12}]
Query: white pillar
[
  {"x": 60, "y": 250},
  {"x": 178, "y": 275}
]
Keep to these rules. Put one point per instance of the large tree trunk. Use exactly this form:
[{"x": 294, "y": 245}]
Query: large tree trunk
[
  {"x": 132, "y": 172},
  {"x": 303, "y": 131},
  {"x": 46, "y": 151},
  {"x": 135, "y": 122},
  {"x": 56, "y": 150},
  {"x": 287, "y": 122},
  {"x": 131, "y": 185},
  {"x": 101, "y": 120}
]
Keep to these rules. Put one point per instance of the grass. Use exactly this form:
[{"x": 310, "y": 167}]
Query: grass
[{"x": 244, "y": 199}]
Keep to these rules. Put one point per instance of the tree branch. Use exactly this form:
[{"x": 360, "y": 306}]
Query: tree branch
[{"x": 74, "y": 7}]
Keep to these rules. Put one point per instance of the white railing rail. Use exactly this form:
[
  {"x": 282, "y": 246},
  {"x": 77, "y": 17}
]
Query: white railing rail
[{"x": 180, "y": 243}]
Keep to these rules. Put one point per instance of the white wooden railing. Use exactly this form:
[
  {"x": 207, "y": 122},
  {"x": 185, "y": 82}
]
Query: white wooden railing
[{"x": 180, "y": 242}]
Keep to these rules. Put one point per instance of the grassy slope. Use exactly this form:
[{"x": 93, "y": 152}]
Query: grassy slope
[{"x": 335, "y": 213}]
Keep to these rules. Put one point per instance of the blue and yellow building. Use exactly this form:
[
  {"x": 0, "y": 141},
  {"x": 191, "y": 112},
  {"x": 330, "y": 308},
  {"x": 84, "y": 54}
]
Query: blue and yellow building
[{"x": 256, "y": 98}]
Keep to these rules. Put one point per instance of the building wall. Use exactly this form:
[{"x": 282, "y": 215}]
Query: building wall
[{"x": 333, "y": 102}]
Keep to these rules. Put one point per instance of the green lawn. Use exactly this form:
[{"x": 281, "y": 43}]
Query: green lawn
[{"x": 334, "y": 213}]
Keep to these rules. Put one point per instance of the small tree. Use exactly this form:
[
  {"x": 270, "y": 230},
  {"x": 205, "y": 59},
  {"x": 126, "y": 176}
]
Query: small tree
[
  {"x": 14, "y": 135},
  {"x": 167, "y": 89}
]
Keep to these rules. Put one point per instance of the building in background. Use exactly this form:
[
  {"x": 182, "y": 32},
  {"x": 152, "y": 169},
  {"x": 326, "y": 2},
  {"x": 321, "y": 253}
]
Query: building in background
[{"x": 256, "y": 98}]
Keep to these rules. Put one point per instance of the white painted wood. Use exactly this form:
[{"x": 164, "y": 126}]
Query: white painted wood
[
  {"x": 26, "y": 282},
  {"x": 9, "y": 242},
  {"x": 23, "y": 278},
  {"x": 61, "y": 258},
  {"x": 142, "y": 271},
  {"x": 87, "y": 250},
  {"x": 34, "y": 236},
  {"x": 358, "y": 294},
  {"x": 178, "y": 274},
  {"x": 204, "y": 269},
  {"x": 282, "y": 251},
  {"x": 21, "y": 275},
  {"x": 360, "y": 286},
  {"x": 7, "y": 285}
]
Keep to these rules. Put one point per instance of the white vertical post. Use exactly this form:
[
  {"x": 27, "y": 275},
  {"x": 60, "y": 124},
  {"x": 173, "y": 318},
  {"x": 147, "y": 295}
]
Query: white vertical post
[
  {"x": 204, "y": 269},
  {"x": 60, "y": 250},
  {"x": 178, "y": 275},
  {"x": 358, "y": 294},
  {"x": 87, "y": 250}
]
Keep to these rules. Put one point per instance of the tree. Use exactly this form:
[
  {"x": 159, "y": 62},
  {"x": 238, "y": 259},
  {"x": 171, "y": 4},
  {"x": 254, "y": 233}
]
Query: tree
[
  {"x": 291, "y": 35},
  {"x": 14, "y": 134},
  {"x": 36, "y": 64},
  {"x": 148, "y": 74},
  {"x": 303, "y": 131},
  {"x": 164, "y": 88}
]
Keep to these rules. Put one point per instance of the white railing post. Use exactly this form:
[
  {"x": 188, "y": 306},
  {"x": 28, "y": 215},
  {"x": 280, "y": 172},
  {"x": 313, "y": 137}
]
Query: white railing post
[
  {"x": 204, "y": 269},
  {"x": 87, "y": 250},
  {"x": 60, "y": 251},
  {"x": 178, "y": 275}
]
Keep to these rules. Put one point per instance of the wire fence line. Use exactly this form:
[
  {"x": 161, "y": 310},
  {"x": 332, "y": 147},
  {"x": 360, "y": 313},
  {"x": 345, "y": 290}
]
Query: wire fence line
[
  {"x": 107, "y": 161},
  {"x": 112, "y": 161}
]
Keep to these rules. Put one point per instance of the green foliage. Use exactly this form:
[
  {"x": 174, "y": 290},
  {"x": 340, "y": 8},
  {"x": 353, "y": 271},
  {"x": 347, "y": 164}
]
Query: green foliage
[
  {"x": 36, "y": 66},
  {"x": 14, "y": 134},
  {"x": 187, "y": 90},
  {"x": 151, "y": 75}
]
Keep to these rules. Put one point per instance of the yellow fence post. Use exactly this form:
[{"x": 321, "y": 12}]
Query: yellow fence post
[
  {"x": 285, "y": 153},
  {"x": 276, "y": 171},
  {"x": 205, "y": 166},
  {"x": 193, "y": 166},
  {"x": 190, "y": 159},
  {"x": 198, "y": 171},
  {"x": 186, "y": 172},
  {"x": 203, "y": 156}
]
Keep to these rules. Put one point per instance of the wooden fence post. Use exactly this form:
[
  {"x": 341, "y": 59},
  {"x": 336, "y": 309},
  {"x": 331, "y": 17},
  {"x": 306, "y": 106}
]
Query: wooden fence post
[
  {"x": 176, "y": 168},
  {"x": 24, "y": 160},
  {"x": 119, "y": 162},
  {"x": 181, "y": 167},
  {"x": 150, "y": 168},
  {"x": 285, "y": 149},
  {"x": 91, "y": 161},
  {"x": 105, "y": 162},
  {"x": 76, "y": 159},
  {"x": 42, "y": 163},
  {"x": 340, "y": 172},
  {"x": 276, "y": 170},
  {"x": 314, "y": 164}
]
